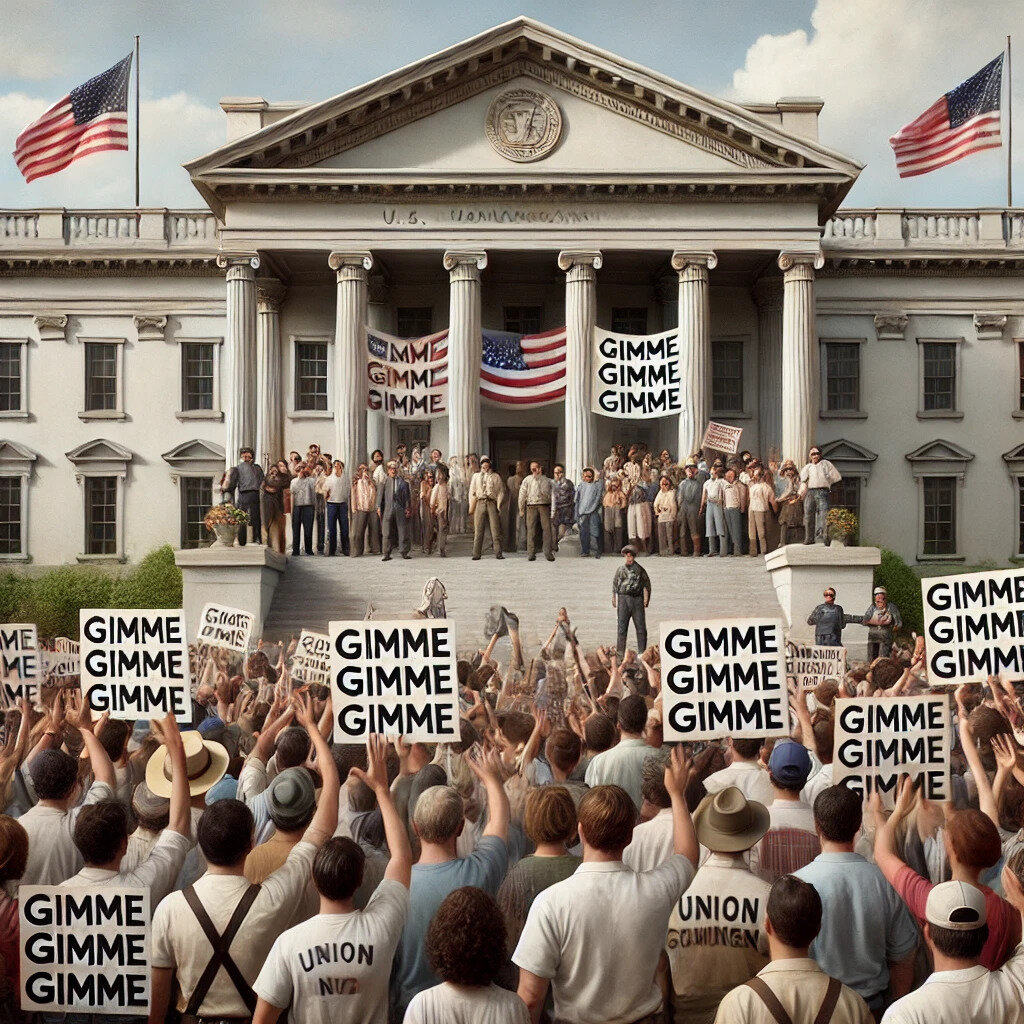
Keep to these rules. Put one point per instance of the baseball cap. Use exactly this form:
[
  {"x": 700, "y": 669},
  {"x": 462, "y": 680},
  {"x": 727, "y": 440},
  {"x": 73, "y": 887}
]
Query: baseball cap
[
  {"x": 789, "y": 763},
  {"x": 957, "y": 906},
  {"x": 879, "y": 590}
]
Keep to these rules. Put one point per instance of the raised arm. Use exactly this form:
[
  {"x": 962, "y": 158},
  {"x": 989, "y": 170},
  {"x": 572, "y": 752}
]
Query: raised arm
[
  {"x": 886, "y": 857},
  {"x": 181, "y": 815},
  {"x": 677, "y": 778},
  {"x": 80, "y": 716},
  {"x": 986, "y": 799},
  {"x": 399, "y": 867},
  {"x": 489, "y": 771},
  {"x": 325, "y": 820}
]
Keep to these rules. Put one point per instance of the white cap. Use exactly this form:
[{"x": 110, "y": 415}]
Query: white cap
[
  {"x": 879, "y": 590},
  {"x": 957, "y": 906}
]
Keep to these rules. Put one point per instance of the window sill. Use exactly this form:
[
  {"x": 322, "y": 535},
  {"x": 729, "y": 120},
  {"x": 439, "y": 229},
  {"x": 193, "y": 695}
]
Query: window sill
[
  {"x": 939, "y": 414},
  {"x": 15, "y": 558},
  {"x": 14, "y": 414},
  {"x": 941, "y": 558},
  {"x": 310, "y": 414},
  {"x": 719, "y": 416},
  {"x": 199, "y": 414},
  {"x": 842, "y": 414},
  {"x": 102, "y": 414},
  {"x": 1017, "y": 559},
  {"x": 1018, "y": 414},
  {"x": 113, "y": 559}
]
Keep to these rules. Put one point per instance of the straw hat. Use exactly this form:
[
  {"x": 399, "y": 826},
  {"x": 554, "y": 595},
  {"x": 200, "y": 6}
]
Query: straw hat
[
  {"x": 205, "y": 763},
  {"x": 727, "y": 822}
]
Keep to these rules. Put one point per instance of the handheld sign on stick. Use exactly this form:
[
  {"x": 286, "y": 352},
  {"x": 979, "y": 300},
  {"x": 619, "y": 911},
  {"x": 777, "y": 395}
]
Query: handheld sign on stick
[
  {"x": 20, "y": 663},
  {"x": 311, "y": 662},
  {"x": 225, "y": 627},
  {"x": 810, "y": 664}
]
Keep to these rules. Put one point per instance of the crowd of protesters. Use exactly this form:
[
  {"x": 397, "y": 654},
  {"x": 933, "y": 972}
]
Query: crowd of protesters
[
  {"x": 704, "y": 505},
  {"x": 559, "y": 862}
]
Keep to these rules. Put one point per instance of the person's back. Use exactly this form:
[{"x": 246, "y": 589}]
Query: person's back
[
  {"x": 744, "y": 772},
  {"x": 622, "y": 765}
]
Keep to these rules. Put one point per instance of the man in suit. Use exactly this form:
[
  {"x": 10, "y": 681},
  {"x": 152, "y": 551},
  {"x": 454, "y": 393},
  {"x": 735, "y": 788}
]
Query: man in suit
[
  {"x": 394, "y": 507},
  {"x": 246, "y": 479}
]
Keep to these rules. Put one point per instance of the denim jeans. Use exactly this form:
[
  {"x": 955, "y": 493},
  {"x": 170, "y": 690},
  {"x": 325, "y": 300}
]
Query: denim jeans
[
  {"x": 734, "y": 524},
  {"x": 302, "y": 518},
  {"x": 337, "y": 519},
  {"x": 815, "y": 506},
  {"x": 590, "y": 533}
]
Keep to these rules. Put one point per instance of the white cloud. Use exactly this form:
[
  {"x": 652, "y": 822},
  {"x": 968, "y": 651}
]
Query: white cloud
[{"x": 878, "y": 64}]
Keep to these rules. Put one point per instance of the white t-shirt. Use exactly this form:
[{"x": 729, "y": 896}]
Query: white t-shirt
[
  {"x": 960, "y": 997},
  {"x": 577, "y": 930},
  {"x": 336, "y": 967},
  {"x": 459, "y": 1004},
  {"x": 791, "y": 814},
  {"x": 816, "y": 783},
  {"x": 749, "y": 778},
  {"x": 653, "y": 843}
]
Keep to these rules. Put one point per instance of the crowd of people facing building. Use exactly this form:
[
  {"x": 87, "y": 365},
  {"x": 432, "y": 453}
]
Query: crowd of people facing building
[{"x": 705, "y": 505}]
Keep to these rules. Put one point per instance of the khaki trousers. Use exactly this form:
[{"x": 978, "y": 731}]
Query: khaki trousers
[
  {"x": 486, "y": 513},
  {"x": 538, "y": 517}
]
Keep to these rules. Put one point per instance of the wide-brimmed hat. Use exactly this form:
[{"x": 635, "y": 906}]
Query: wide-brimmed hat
[
  {"x": 727, "y": 822},
  {"x": 290, "y": 797},
  {"x": 205, "y": 763}
]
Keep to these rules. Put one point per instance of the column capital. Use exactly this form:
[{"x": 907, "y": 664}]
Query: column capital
[
  {"x": 341, "y": 261},
  {"x": 238, "y": 264},
  {"x": 464, "y": 257},
  {"x": 270, "y": 294},
  {"x": 683, "y": 259},
  {"x": 791, "y": 260},
  {"x": 569, "y": 258}
]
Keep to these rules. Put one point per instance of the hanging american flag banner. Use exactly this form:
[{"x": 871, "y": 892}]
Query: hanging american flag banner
[
  {"x": 92, "y": 118},
  {"x": 963, "y": 121},
  {"x": 523, "y": 369}
]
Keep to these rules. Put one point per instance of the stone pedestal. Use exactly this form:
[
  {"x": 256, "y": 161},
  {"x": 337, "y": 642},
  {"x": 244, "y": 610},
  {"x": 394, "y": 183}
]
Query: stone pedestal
[
  {"x": 801, "y": 572},
  {"x": 237, "y": 577}
]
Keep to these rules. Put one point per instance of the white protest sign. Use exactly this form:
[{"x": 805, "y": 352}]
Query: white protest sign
[
  {"x": 725, "y": 677},
  {"x": 407, "y": 377},
  {"x": 974, "y": 626},
  {"x": 20, "y": 663},
  {"x": 722, "y": 438},
  {"x": 60, "y": 664},
  {"x": 135, "y": 663},
  {"x": 84, "y": 949},
  {"x": 810, "y": 664},
  {"x": 225, "y": 627},
  {"x": 394, "y": 678},
  {"x": 66, "y": 646},
  {"x": 877, "y": 740},
  {"x": 311, "y": 662},
  {"x": 636, "y": 376}
]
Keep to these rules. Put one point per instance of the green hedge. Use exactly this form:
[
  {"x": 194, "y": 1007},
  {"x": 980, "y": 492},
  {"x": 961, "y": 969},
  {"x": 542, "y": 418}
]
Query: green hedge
[
  {"x": 904, "y": 587},
  {"x": 53, "y": 600}
]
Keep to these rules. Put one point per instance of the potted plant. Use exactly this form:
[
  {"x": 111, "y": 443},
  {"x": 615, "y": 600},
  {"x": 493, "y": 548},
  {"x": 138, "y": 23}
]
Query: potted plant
[
  {"x": 224, "y": 520},
  {"x": 842, "y": 525}
]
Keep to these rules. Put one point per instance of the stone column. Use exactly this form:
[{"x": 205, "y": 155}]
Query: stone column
[
  {"x": 581, "y": 269},
  {"x": 694, "y": 347},
  {"x": 465, "y": 351},
  {"x": 799, "y": 354},
  {"x": 768, "y": 294},
  {"x": 240, "y": 368},
  {"x": 269, "y": 393},
  {"x": 378, "y": 433}
]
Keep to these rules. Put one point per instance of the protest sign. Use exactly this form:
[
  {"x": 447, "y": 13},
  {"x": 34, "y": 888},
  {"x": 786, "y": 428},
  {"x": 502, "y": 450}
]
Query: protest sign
[
  {"x": 407, "y": 377},
  {"x": 311, "y": 662},
  {"x": 974, "y": 626},
  {"x": 724, "y": 677},
  {"x": 722, "y": 438},
  {"x": 636, "y": 376},
  {"x": 20, "y": 663},
  {"x": 135, "y": 664},
  {"x": 394, "y": 678},
  {"x": 810, "y": 664},
  {"x": 84, "y": 949},
  {"x": 878, "y": 740},
  {"x": 60, "y": 665},
  {"x": 225, "y": 627}
]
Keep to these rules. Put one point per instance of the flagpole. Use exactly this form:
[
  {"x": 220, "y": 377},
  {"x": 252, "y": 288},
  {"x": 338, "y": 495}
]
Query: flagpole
[
  {"x": 1009, "y": 125},
  {"x": 136, "y": 122}
]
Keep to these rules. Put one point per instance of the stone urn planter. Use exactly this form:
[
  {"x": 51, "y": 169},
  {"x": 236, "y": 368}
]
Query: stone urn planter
[
  {"x": 223, "y": 521},
  {"x": 226, "y": 535}
]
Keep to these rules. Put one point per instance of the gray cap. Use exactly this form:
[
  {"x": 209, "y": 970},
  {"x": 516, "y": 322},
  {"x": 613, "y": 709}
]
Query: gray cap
[{"x": 290, "y": 797}]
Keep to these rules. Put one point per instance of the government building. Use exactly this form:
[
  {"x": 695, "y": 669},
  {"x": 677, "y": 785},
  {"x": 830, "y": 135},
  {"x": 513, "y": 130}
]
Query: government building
[{"x": 526, "y": 182}]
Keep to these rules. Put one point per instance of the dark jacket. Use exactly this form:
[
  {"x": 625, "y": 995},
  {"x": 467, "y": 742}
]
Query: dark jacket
[
  {"x": 232, "y": 485},
  {"x": 402, "y": 497},
  {"x": 828, "y": 622}
]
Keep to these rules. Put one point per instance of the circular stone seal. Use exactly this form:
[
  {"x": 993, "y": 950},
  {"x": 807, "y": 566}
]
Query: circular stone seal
[{"x": 523, "y": 125}]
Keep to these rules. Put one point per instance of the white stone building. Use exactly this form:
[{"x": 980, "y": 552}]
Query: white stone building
[{"x": 140, "y": 348}]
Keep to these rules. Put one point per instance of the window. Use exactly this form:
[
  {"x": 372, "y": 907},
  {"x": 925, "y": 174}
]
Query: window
[
  {"x": 197, "y": 376},
  {"x": 101, "y": 389},
  {"x": 414, "y": 321},
  {"x": 846, "y": 494},
  {"x": 629, "y": 319},
  {"x": 101, "y": 515},
  {"x": 196, "y": 497},
  {"x": 939, "y": 515},
  {"x": 11, "y": 377},
  {"x": 10, "y": 515},
  {"x": 311, "y": 376},
  {"x": 1020, "y": 515},
  {"x": 726, "y": 376},
  {"x": 841, "y": 365},
  {"x": 523, "y": 319},
  {"x": 938, "y": 376}
]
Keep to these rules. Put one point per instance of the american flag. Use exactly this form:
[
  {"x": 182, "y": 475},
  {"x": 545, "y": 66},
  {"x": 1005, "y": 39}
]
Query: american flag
[
  {"x": 92, "y": 118},
  {"x": 963, "y": 121},
  {"x": 523, "y": 369}
]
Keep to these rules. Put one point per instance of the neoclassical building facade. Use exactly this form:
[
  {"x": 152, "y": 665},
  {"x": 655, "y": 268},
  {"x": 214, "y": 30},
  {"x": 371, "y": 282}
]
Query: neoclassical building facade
[{"x": 521, "y": 181}]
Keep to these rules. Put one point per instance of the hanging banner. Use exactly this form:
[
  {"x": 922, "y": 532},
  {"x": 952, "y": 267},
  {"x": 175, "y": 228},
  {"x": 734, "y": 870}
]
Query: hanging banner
[
  {"x": 523, "y": 370},
  {"x": 85, "y": 949},
  {"x": 636, "y": 376},
  {"x": 407, "y": 377},
  {"x": 311, "y": 662},
  {"x": 135, "y": 664},
  {"x": 225, "y": 627},
  {"x": 394, "y": 678},
  {"x": 974, "y": 626},
  {"x": 725, "y": 677},
  {"x": 20, "y": 663},
  {"x": 810, "y": 664},
  {"x": 876, "y": 741},
  {"x": 722, "y": 438}
]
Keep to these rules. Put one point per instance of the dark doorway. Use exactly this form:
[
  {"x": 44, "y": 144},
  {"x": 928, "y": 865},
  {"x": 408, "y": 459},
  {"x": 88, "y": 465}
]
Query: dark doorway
[{"x": 510, "y": 444}]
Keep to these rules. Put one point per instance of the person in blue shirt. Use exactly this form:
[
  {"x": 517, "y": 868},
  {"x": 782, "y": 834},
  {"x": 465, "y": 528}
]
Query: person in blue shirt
[{"x": 588, "y": 513}]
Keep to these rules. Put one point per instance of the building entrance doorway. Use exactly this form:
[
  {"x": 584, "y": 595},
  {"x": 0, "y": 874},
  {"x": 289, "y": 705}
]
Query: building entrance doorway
[{"x": 510, "y": 444}]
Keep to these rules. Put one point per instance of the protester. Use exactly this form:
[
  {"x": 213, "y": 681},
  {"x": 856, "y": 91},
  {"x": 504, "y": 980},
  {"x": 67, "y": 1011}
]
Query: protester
[
  {"x": 303, "y": 492},
  {"x": 563, "y": 504},
  {"x": 666, "y": 510},
  {"x": 744, "y": 771},
  {"x": 14, "y": 846},
  {"x": 882, "y": 619},
  {"x": 614, "y": 505},
  {"x": 536, "y": 500},
  {"x": 734, "y": 502},
  {"x": 275, "y": 491},
  {"x": 242, "y": 489},
  {"x": 486, "y": 498},
  {"x": 515, "y": 528},
  {"x": 829, "y": 619},
  {"x": 712, "y": 506},
  {"x": 631, "y": 594},
  {"x": 588, "y": 513},
  {"x": 439, "y": 503},
  {"x": 622, "y": 765},
  {"x": 394, "y": 509},
  {"x": 365, "y": 524},
  {"x": 688, "y": 498},
  {"x": 816, "y": 479},
  {"x": 762, "y": 503},
  {"x": 337, "y": 489}
]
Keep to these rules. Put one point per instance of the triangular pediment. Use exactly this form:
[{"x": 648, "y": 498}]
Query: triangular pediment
[
  {"x": 940, "y": 451},
  {"x": 1014, "y": 458},
  {"x": 14, "y": 454},
  {"x": 433, "y": 116},
  {"x": 194, "y": 453},
  {"x": 100, "y": 450},
  {"x": 847, "y": 451}
]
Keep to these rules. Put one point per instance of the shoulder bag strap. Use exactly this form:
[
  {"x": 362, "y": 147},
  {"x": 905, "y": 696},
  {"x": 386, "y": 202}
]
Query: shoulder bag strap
[
  {"x": 828, "y": 1005},
  {"x": 770, "y": 1000}
]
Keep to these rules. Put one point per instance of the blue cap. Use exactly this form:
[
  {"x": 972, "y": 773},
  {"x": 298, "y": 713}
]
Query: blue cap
[
  {"x": 225, "y": 789},
  {"x": 209, "y": 728},
  {"x": 790, "y": 763}
]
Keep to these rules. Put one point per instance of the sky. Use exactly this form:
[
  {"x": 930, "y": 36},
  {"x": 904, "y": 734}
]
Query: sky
[{"x": 877, "y": 64}]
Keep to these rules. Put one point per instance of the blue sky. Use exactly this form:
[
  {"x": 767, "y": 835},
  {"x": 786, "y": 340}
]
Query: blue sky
[{"x": 876, "y": 63}]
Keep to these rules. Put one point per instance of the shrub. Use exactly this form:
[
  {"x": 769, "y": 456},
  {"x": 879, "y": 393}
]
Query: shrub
[
  {"x": 904, "y": 587},
  {"x": 14, "y": 591},
  {"x": 154, "y": 583},
  {"x": 54, "y": 599}
]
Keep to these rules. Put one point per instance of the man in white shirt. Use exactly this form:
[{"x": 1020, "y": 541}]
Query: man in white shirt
[
  {"x": 652, "y": 842},
  {"x": 744, "y": 771},
  {"x": 535, "y": 501},
  {"x": 712, "y": 500},
  {"x": 336, "y": 489},
  {"x": 352, "y": 982},
  {"x": 622, "y": 765},
  {"x": 577, "y": 930},
  {"x": 486, "y": 499},
  {"x": 816, "y": 478}
]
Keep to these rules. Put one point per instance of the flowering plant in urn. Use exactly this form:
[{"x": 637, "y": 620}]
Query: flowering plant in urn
[
  {"x": 225, "y": 515},
  {"x": 842, "y": 524}
]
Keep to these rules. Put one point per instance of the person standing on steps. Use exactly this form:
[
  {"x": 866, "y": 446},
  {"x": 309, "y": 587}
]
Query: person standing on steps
[
  {"x": 486, "y": 496},
  {"x": 394, "y": 507},
  {"x": 243, "y": 491},
  {"x": 631, "y": 594},
  {"x": 535, "y": 508}
]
